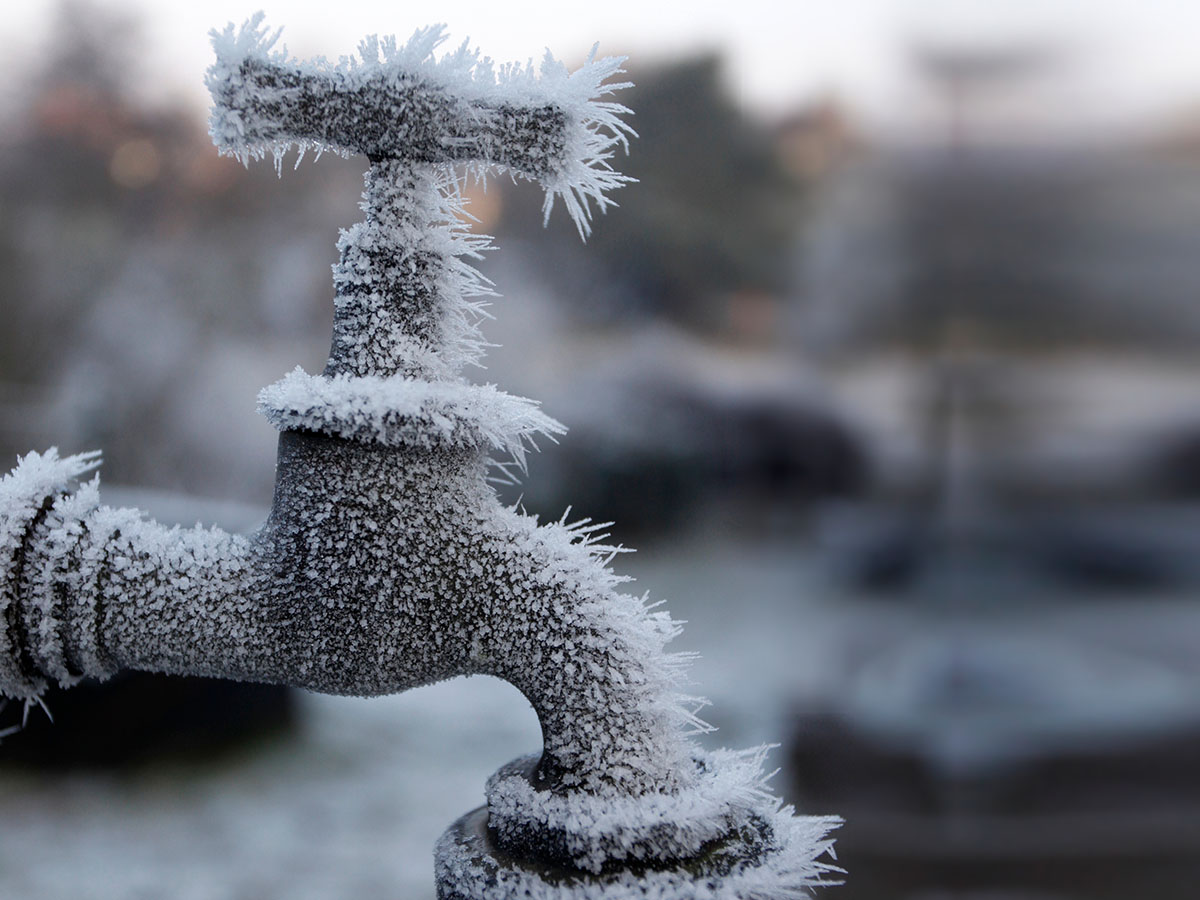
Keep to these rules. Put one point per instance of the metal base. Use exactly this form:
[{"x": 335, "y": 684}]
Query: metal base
[{"x": 469, "y": 866}]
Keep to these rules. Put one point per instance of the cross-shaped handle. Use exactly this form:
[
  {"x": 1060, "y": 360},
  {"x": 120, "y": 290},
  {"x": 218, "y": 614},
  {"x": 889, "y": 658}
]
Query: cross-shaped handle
[{"x": 404, "y": 290}]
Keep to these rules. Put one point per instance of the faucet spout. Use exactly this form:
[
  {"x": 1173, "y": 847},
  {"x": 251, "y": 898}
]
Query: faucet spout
[{"x": 379, "y": 569}]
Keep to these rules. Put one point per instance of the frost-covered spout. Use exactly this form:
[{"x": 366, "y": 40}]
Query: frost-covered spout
[{"x": 379, "y": 569}]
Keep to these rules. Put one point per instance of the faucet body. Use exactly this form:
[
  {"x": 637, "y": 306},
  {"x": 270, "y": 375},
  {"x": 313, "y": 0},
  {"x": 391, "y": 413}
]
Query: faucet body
[
  {"x": 379, "y": 569},
  {"x": 387, "y": 561}
]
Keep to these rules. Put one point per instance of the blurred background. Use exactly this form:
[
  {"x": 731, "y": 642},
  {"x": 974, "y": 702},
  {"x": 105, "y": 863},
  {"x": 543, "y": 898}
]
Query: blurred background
[{"x": 887, "y": 366}]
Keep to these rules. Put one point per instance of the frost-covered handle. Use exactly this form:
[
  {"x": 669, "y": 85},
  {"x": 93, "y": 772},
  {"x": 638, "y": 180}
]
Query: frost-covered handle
[
  {"x": 404, "y": 303},
  {"x": 383, "y": 114},
  {"x": 400, "y": 102}
]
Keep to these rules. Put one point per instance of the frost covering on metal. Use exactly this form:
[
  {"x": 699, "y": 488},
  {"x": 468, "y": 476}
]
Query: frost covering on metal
[{"x": 386, "y": 561}]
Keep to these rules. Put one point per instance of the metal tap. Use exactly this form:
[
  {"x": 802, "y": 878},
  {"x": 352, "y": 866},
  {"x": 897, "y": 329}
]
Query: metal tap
[{"x": 387, "y": 561}]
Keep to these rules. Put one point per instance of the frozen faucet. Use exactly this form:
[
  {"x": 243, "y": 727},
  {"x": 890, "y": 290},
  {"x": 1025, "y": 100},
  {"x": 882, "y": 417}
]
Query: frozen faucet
[{"x": 386, "y": 561}]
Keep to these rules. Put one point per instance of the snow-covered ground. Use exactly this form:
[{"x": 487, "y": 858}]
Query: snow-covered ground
[{"x": 349, "y": 807}]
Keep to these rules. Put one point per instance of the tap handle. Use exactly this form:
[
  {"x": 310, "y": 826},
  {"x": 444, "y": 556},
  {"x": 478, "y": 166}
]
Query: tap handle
[{"x": 402, "y": 103}]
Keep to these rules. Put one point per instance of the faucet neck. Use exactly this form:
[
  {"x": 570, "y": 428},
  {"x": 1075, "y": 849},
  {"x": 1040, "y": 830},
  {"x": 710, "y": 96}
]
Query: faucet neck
[
  {"x": 403, "y": 302},
  {"x": 323, "y": 477}
]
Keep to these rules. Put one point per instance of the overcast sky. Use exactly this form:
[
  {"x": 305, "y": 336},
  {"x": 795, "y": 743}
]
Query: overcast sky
[{"x": 1121, "y": 59}]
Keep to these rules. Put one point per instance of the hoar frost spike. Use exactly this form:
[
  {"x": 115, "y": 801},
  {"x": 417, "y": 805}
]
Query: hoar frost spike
[{"x": 386, "y": 561}]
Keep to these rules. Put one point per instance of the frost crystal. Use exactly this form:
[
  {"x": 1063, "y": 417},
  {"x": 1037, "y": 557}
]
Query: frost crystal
[{"x": 387, "y": 561}]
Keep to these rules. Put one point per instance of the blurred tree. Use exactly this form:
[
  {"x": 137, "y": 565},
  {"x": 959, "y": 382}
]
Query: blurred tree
[
  {"x": 64, "y": 130},
  {"x": 714, "y": 216}
]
